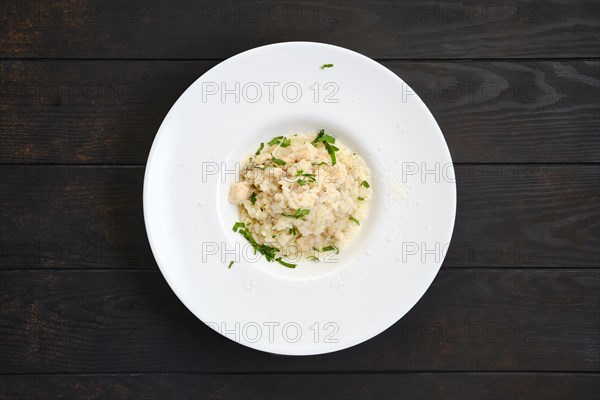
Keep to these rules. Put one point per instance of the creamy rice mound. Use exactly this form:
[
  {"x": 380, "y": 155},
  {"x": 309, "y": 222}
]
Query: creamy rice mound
[{"x": 292, "y": 198}]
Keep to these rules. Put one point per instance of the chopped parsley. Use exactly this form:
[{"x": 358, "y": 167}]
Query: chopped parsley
[
  {"x": 262, "y": 146},
  {"x": 323, "y": 137},
  {"x": 292, "y": 231},
  {"x": 285, "y": 264},
  {"x": 238, "y": 225},
  {"x": 285, "y": 142},
  {"x": 267, "y": 251},
  {"x": 313, "y": 258},
  {"x": 301, "y": 182},
  {"x": 321, "y": 163},
  {"x": 365, "y": 184},
  {"x": 327, "y": 141},
  {"x": 231, "y": 263},
  {"x": 311, "y": 177},
  {"x": 354, "y": 220},
  {"x": 326, "y": 66},
  {"x": 277, "y": 160},
  {"x": 331, "y": 149},
  {"x": 253, "y": 198},
  {"x": 275, "y": 140},
  {"x": 361, "y": 199},
  {"x": 301, "y": 212},
  {"x": 331, "y": 247}
]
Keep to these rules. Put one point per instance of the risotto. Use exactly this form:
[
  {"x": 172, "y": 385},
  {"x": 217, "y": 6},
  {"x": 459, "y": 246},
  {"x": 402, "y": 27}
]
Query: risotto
[{"x": 301, "y": 197}]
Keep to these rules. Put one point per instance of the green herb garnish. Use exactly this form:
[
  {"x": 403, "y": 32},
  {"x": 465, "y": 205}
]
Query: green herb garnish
[
  {"x": 354, "y": 220},
  {"x": 277, "y": 160},
  {"x": 327, "y": 141},
  {"x": 315, "y": 249},
  {"x": 311, "y": 177},
  {"x": 275, "y": 140},
  {"x": 301, "y": 212},
  {"x": 230, "y": 264},
  {"x": 365, "y": 184},
  {"x": 361, "y": 199},
  {"x": 267, "y": 251},
  {"x": 285, "y": 264},
  {"x": 285, "y": 142},
  {"x": 323, "y": 137},
  {"x": 292, "y": 231},
  {"x": 313, "y": 258},
  {"x": 321, "y": 163},
  {"x": 331, "y": 150},
  {"x": 262, "y": 146},
  {"x": 253, "y": 198},
  {"x": 301, "y": 182},
  {"x": 332, "y": 247},
  {"x": 326, "y": 66}
]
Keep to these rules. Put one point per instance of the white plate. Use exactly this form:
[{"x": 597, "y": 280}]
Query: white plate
[{"x": 315, "y": 308}]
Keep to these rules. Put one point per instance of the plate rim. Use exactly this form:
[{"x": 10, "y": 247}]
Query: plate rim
[{"x": 152, "y": 155}]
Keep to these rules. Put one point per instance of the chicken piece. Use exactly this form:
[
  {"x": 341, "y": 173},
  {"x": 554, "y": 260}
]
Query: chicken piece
[
  {"x": 238, "y": 192},
  {"x": 305, "y": 151}
]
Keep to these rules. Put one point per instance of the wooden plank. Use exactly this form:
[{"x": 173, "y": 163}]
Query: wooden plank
[
  {"x": 107, "y": 112},
  {"x": 526, "y": 216},
  {"x": 508, "y": 216},
  {"x": 469, "y": 320},
  {"x": 90, "y": 112},
  {"x": 481, "y": 386},
  {"x": 380, "y": 28},
  {"x": 87, "y": 217}
]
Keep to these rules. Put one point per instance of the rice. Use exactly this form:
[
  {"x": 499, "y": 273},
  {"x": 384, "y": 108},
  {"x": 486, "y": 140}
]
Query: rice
[{"x": 292, "y": 198}]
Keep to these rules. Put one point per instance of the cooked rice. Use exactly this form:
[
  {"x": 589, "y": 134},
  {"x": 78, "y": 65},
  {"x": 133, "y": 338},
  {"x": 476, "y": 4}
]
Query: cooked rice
[{"x": 331, "y": 199}]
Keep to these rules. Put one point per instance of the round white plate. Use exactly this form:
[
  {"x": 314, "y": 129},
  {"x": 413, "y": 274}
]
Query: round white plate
[{"x": 276, "y": 90}]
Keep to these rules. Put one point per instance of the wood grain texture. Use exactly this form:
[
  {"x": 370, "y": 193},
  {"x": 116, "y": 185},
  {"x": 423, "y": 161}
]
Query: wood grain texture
[
  {"x": 87, "y": 217},
  {"x": 469, "y": 320},
  {"x": 508, "y": 216},
  {"x": 85, "y": 313},
  {"x": 426, "y": 386},
  {"x": 219, "y": 29},
  {"x": 108, "y": 112}
]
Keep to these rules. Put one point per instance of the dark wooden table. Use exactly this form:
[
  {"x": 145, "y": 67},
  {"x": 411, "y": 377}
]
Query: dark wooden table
[{"x": 515, "y": 310}]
